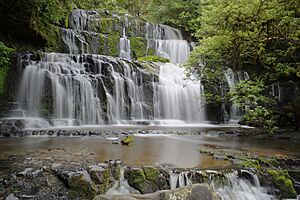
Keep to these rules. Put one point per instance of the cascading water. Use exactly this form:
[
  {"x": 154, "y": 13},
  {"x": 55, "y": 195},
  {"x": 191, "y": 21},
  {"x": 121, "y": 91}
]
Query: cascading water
[
  {"x": 232, "y": 78},
  {"x": 81, "y": 89},
  {"x": 242, "y": 189},
  {"x": 178, "y": 98},
  {"x": 94, "y": 90},
  {"x": 167, "y": 42},
  {"x": 121, "y": 187},
  {"x": 233, "y": 187},
  {"x": 124, "y": 48}
]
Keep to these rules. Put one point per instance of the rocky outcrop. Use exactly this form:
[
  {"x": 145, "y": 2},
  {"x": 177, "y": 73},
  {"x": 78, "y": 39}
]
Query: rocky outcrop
[{"x": 194, "y": 192}]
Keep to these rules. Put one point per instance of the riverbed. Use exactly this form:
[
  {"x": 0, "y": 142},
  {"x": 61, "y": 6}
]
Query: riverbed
[{"x": 180, "y": 151}]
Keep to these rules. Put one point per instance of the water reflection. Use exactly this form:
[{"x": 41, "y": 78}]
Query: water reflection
[{"x": 180, "y": 151}]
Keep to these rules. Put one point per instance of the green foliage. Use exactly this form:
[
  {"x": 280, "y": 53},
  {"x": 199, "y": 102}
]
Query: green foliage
[
  {"x": 250, "y": 97},
  {"x": 250, "y": 35},
  {"x": 5, "y": 53},
  {"x": 261, "y": 37},
  {"x": 178, "y": 13},
  {"x": 153, "y": 59},
  {"x": 283, "y": 181}
]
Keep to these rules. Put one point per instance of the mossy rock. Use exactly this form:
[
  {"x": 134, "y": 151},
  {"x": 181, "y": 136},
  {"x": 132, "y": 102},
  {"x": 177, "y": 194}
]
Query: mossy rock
[
  {"x": 128, "y": 140},
  {"x": 283, "y": 182},
  {"x": 81, "y": 186},
  {"x": 250, "y": 163},
  {"x": 109, "y": 45},
  {"x": 153, "y": 59},
  {"x": 151, "y": 173},
  {"x": 135, "y": 177},
  {"x": 145, "y": 179},
  {"x": 151, "y": 52},
  {"x": 106, "y": 183},
  {"x": 107, "y": 25},
  {"x": 138, "y": 47}
]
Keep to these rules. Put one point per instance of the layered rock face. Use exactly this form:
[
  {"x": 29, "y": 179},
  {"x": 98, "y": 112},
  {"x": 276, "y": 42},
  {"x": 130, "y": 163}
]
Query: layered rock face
[
  {"x": 100, "y": 32},
  {"x": 81, "y": 87}
]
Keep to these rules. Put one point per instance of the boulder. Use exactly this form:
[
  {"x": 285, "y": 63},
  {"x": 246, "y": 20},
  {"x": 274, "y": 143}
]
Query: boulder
[{"x": 194, "y": 192}]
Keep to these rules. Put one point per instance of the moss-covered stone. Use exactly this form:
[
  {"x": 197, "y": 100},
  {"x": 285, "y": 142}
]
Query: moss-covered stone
[
  {"x": 106, "y": 182},
  {"x": 109, "y": 45},
  {"x": 128, "y": 140},
  {"x": 151, "y": 173},
  {"x": 138, "y": 47},
  {"x": 268, "y": 162},
  {"x": 145, "y": 180},
  {"x": 151, "y": 51},
  {"x": 154, "y": 59},
  {"x": 80, "y": 186},
  {"x": 135, "y": 177},
  {"x": 250, "y": 163},
  {"x": 107, "y": 25},
  {"x": 283, "y": 182}
]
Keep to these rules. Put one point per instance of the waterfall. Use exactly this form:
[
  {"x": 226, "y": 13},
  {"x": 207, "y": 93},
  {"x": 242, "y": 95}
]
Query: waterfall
[
  {"x": 121, "y": 187},
  {"x": 179, "y": 98},
  {"x": 72, "y": 90},
  {"x": 233, "y": 187},
  {"x": 276, "y": 91},
  {"x": 80, "y": 88},
  {"x": 167, "y": 42},
  {"x": 242, "y": 189},
  {"x": 232, "y": 78},
  {"x": 124, "y": 48}
]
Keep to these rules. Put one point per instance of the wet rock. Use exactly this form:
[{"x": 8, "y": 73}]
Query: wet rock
[
  {"x": 25, "y": 173},
  {"x": 194, "y": 192},
  {"x": 97, "y": 173},
  {"x": 80, "y": 184},
  {"x": 11, "y": 197},
  {"x": 145, "y": 180}
]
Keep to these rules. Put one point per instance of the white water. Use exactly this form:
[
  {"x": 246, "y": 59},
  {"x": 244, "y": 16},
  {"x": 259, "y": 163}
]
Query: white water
[
  {"x": 178, "y": 97},
  {"x": 97, "y": 90},
  {"x": 71, "y": 90},
  {"x": 241, "y": 189},
  {"x": 121, "y": 187},
  {"x": 236, "y": 188},
  {"x": 124, "y": 47},
  {"x": 233, "y": 78}
]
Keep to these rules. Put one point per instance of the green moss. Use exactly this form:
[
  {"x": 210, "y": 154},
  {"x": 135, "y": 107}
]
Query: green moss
[
  {"x": 151, "y": 173},
  {"x": 102, "y": 188},
  {"x": 107, "y": 25},
  {"x": 138, "y": 47},
  {"x": 128, "y": 140},
  {"x": 269, "y": 162},
  {"x": 152, "y": 68},
  {"x": 109, "y": 45},
  {"x": 250, "y": 163},
  {"x": 112, "y": 45},
  {"x": 150, "y": 52},
  {"x": 80, "y": 189},
  {"x": 153, "y": 59},
  {"x": 283, "y": 182},
  {"x": 5, "y": 54},
  {"x": 136, "y": 177}
]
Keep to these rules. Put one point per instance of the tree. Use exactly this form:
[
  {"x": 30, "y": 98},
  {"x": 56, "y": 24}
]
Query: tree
[{"x": 258, "y": 36}]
